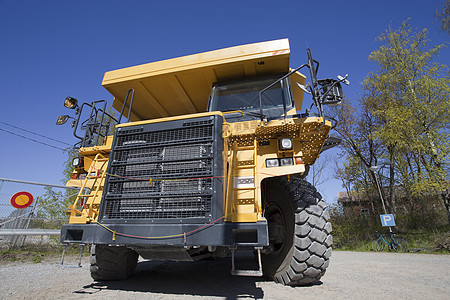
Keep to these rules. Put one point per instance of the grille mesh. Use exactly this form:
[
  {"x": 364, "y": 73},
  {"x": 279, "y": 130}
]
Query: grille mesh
[{"x": 180, "y": 163}]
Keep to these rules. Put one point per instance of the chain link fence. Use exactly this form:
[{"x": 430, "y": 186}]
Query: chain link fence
[{"x": 42, "y": 218}]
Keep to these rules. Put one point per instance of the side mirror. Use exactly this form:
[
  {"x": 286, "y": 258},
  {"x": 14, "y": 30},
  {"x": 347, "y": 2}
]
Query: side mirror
[
  {"x": 70, "y": 102},
  {"x": 62, "y": 120},
  {"x": 305, "y": 88},
  {"x": 332, "y": 91}
]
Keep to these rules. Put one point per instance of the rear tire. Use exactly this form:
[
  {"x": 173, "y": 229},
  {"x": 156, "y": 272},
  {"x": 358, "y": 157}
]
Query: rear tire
[
  {"x": 112, "y": 263},
  {"x": 380, "y": 245},
  {"x": 299, "y": 232}
]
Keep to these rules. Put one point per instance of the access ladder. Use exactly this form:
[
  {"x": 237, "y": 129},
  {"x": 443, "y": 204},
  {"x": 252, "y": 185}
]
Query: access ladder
[{"x": 90, "y": 203}]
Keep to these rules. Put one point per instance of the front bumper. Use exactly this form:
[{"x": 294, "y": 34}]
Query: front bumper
[{"x": 223, "y": 234}]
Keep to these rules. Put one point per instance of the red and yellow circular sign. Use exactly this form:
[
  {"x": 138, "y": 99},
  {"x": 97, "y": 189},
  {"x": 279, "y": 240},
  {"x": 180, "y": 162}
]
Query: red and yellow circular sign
[{"x": 21, "y": 200}]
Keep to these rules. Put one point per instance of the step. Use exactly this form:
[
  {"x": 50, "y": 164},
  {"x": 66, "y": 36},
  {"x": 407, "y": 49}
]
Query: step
[
  {"x": 245, "y": 167},
  {"x": 252, "y": 273},
  {"x": 244, "y": 148},
  {"x": 244, "y": 188},
  {"x": 101, "y": 159},
  {"x": 89, "y": 195}
]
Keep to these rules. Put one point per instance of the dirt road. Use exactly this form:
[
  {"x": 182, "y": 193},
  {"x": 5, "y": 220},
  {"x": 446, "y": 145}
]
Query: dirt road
[{"x": 351, "y": 275}]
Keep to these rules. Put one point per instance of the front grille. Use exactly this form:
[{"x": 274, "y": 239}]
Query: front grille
[{"x": 165, "y": 172}]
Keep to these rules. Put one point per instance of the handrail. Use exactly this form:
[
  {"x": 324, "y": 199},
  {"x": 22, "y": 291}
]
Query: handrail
[
  {"x": 125, "y": 103},
  {"x": 92, "y": 122},
  {"x": 272, "y": 84}
]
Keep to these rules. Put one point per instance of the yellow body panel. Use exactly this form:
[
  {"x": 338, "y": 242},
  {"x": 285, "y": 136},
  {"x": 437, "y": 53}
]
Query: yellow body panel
[
  {"x": 182, "y": 85},
  {"x": 297, "y": 92},
  {"x": 247, "y": 159},
  {"x": 205, "y": 114}
]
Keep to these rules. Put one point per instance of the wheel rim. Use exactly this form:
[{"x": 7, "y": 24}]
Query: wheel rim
[
  {"x": 296, "y": 255},
  {"x": 277, "y": 228}
]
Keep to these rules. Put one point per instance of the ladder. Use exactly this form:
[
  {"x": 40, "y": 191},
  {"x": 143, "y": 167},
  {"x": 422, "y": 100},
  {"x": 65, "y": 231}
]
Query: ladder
[
  {"x": 256, "y": 273},
  {"x": 244, "y": 206},
  {"x": 90, "y": 203}
]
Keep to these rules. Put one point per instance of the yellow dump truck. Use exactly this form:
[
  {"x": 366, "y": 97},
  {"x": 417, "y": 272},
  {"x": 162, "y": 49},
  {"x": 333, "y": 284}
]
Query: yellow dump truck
[{"x": 210, "y": 160}]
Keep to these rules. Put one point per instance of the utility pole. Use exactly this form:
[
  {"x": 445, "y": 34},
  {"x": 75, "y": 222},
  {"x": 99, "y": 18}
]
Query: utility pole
[{"x": 374, "y": 169}]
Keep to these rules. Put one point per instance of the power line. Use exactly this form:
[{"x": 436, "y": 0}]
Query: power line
[
  {"x": 64, "y": 143},
  {"x": 30, "y": 139}
]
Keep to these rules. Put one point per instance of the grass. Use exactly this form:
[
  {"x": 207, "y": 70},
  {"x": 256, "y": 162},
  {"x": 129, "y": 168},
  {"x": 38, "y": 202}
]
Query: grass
[
  {"x": 24, "y": 254},
  {"x": 432, "y": 241},
  {"x": 435, "y": 241},
  {"x": 38, "y": 253}
]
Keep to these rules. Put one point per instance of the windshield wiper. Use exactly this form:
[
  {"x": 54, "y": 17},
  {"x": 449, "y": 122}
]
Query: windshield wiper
[
  {"x": 255, "y": 114},
  {"x": 244, "y": 112}
]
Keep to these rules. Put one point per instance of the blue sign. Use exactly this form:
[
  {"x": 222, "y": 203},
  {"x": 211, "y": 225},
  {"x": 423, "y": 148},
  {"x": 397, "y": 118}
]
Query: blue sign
[{"x": 387, "y": 220}]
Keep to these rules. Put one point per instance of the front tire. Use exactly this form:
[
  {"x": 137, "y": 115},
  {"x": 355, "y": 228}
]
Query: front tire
[
  {"x": 299, "y": 232},
  {"x": 111, "y": 262},
  {"x": 400, "y": 245}
]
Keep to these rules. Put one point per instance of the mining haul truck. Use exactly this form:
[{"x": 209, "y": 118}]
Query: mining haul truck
[{"x": 207, "y": 157}]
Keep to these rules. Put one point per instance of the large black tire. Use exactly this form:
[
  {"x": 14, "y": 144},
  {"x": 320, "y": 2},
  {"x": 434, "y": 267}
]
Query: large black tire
[
  {"x": 299, "y": 232},
  {"x": 112, "y": 263}
]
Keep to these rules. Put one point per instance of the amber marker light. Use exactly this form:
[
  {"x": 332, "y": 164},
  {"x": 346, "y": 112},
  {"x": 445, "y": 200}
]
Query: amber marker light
[{"x": 298, "y": 160}]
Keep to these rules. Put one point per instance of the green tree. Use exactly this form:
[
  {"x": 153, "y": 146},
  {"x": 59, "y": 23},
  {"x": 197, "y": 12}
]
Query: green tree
[
  {"x": 52, "y": 205},
  {"x": 444, "y": 16},
  {"x": 356, "y": 126},
  {"x": 411, "y": 91},
  {"x": 401, "y": 122}
]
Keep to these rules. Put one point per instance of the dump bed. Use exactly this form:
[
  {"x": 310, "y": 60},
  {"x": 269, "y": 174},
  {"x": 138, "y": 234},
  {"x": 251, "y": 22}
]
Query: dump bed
[{"x": 182, "y": 85}]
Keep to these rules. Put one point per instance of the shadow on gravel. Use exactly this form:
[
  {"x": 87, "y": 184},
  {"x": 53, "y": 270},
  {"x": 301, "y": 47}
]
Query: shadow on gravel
[{"x": 201, "y": 278}]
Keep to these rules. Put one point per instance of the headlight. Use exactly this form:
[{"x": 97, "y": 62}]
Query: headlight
[
  {"x": 62, "y": 120},
  {"x": 272, "y": 163},
  {"x": 286, "y": 144},
  {"x": 77, "y": 162},
  {"x": 286, "y": 161},
  {"x": 70, "y": 102}
]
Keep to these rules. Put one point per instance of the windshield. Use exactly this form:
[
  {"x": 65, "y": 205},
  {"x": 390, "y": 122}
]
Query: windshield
[{"x": 245, "y": 95}]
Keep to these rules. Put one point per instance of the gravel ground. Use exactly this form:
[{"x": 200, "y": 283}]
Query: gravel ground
[{"x": 351, "y": 275}]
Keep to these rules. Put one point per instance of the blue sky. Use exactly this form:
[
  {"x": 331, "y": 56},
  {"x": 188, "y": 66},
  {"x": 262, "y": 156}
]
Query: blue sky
[{"x": 53, "y": 49}]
